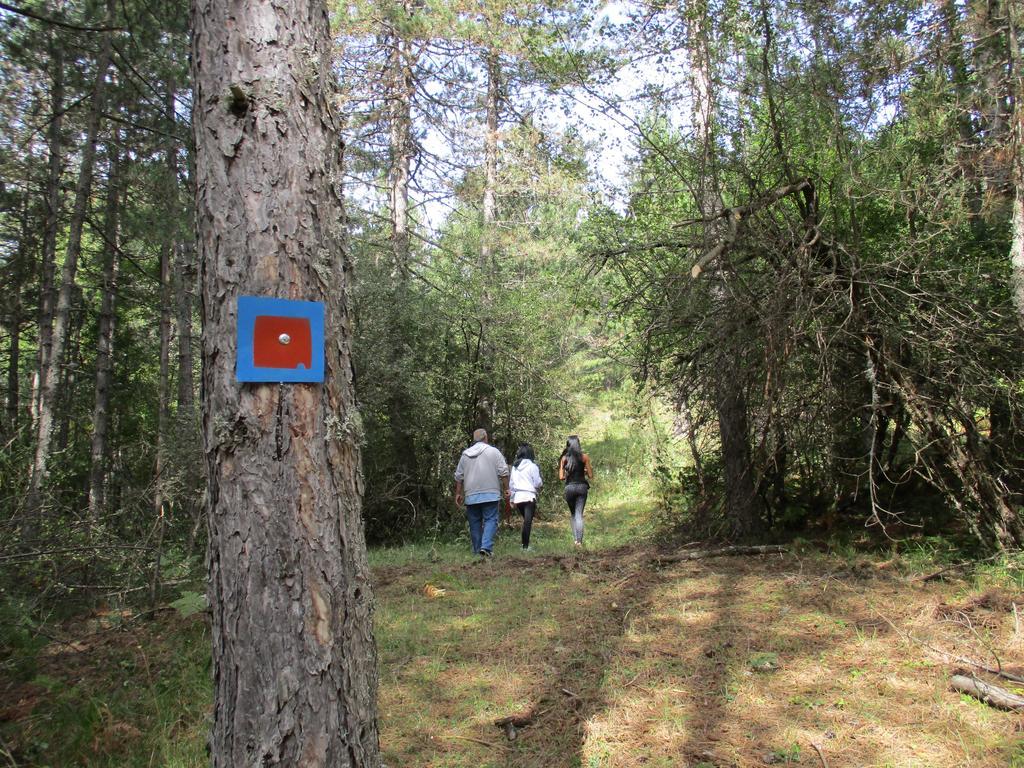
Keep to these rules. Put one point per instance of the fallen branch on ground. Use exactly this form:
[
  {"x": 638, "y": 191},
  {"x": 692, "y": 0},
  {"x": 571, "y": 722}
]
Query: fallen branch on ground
[
  {"x": 954, "y": 567},
  {"x": 945, "y": 655},
  {"x": 992, "y": 695},
  {"x": 700, "y": 554},
  {"x": 481, "y": 742},
  {"x": 519, "y": 720}
]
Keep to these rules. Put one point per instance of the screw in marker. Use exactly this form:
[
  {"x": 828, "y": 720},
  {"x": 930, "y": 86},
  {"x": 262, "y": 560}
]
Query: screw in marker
[{"x": 284, "y": 338}]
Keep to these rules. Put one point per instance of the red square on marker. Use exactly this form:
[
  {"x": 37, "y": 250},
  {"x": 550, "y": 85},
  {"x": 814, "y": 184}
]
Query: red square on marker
[{"x": 282, "y": 342}]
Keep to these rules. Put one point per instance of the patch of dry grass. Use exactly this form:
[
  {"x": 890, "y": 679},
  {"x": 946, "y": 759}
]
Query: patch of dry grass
[{"x": 727, "y": 662}]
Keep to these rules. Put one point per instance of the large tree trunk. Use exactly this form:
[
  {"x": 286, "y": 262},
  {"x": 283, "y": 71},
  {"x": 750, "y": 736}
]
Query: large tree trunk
[
  {"x": 51, "y": 373},
  {"x": 744, "y": 508},
  {"x": 294, "y": 661},
  {"x": 105, "y": 341}
]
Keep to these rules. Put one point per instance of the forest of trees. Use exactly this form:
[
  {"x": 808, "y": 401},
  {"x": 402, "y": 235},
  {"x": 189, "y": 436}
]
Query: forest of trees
[{"x": 800, "y": 226}]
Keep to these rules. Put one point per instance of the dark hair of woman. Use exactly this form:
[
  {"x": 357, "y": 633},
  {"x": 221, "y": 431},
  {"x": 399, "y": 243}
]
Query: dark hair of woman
[
  {"x": 525, "y": 452},
  {"x": 572, "y": 454}
]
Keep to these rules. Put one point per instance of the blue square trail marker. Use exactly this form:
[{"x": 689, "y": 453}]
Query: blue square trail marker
[{"x": 280, "y": 340}]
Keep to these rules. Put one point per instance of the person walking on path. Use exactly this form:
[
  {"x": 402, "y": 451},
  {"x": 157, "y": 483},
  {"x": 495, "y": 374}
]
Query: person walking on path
[
  {"x": 574, "y": 468},
  {"x": 524, "y": 483},
  {"x": 483, "y": 475}
]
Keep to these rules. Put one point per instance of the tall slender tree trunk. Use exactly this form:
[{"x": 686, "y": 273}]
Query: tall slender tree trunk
[
  {"x": 105, "y": 340},
  {"x": 66, "y": 425},
  {"x": 53, "y": 197},
  {"x": 294, "y": 661},
  {"x": 991, "y": 61},
  {"x": 400, "y": 134},
  {"x": 965, "y": 92},
  {"x": 50, "y": 380},
  {"x": 744, "y": 508},
  {"x": 163, "y": 409},
  {"x": 402, "y": 86},
  {"x": 12, "y": 394},
  {"x": 12, "y": 398},
  {"x": 1016, "y": 17},
  {"x": 490, "y": 160},
  {"x": 483, "y": 401},
  {"x": 185, "y": 276}
]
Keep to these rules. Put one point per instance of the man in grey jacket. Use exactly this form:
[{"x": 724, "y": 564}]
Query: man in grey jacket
[{"x": 483, "y": 475}]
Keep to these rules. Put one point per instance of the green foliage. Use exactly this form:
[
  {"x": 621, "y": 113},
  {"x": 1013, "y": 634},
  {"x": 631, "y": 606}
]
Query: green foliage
[
  {"x": 190, "y": 603},
  {"x": 20, "y": 639},
  {"x": 145, "y": 705},
  {"x": 836, "y": 310},
  {"x": 790, "y": 754},
  {"x": 465, "y": 343},
  {"x": 764, "y": 662}
]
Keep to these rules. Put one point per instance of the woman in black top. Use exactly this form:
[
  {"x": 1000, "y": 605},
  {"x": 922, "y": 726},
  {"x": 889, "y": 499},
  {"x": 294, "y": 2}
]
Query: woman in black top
[{"x": 574, "y": 468}]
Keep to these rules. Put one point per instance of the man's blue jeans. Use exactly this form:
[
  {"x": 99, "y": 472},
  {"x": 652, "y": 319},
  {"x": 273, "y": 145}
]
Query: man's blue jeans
[{"x": 483, "y": 524}]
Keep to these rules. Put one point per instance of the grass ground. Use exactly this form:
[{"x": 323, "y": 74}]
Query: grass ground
[{"x": 741, "y": 661}]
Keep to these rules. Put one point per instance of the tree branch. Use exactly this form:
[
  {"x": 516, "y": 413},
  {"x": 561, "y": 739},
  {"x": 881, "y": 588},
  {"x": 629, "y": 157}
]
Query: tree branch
[{"x": 55, "y": 22}]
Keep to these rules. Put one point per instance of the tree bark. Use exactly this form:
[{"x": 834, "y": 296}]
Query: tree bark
[
  {"x": 744, "y": 508},
  {"x": 294, "y": 661},
  {"x": 105, "y": 341},
  {"x": 51, "y": 373}
]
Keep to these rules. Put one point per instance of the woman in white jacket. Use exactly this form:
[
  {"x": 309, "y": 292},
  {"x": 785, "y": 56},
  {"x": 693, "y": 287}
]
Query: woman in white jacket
[{"x": 523, "y": 485}]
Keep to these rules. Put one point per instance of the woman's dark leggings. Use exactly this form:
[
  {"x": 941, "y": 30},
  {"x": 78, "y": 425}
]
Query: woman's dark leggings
[
  {"x": 576, "y": 498},
  {"x": 527, "y": 510}
]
